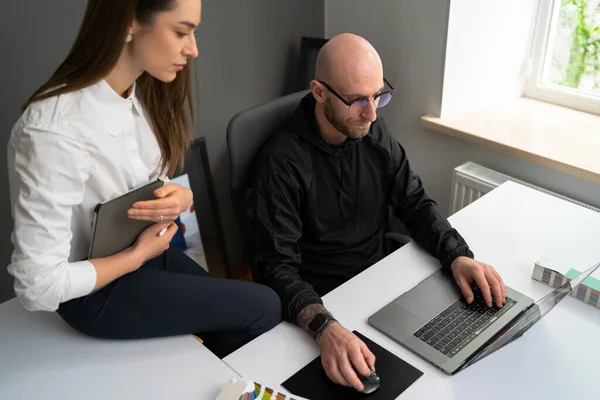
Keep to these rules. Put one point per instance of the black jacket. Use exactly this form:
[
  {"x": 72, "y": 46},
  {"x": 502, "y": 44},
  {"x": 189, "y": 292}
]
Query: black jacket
[{"x": 320, "y": 210}]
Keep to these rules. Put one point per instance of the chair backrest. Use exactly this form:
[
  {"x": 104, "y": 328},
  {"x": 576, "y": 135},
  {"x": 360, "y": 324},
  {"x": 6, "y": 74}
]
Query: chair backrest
[
  {"x": 247, "y": 133},
  {"x": 249, "y": 130},
  {"x": 203, "y": 237}
]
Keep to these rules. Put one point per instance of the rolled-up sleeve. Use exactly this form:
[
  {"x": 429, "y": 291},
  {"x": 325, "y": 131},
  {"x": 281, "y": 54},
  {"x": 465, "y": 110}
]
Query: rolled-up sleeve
[{"x": 48, "y": 168}]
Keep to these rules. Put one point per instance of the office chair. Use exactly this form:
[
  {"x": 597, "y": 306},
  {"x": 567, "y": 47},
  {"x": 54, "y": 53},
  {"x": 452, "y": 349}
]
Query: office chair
[
  {"x": 247, "y": 132},
  {"x": 205, "y": 208}
]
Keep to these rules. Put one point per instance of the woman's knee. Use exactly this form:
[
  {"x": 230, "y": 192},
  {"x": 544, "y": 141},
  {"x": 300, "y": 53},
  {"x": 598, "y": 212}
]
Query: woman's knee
[{"x": 269, "y": 304}]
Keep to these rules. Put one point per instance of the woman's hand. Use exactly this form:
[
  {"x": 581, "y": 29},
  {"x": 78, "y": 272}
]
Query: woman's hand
[
  {"x": 150, "y": 243},
  {"x": 172, "y": 200}
]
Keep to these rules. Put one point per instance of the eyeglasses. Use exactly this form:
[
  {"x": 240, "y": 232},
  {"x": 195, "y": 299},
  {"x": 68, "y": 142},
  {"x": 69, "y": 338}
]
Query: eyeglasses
[{"x": 382, "y": 98}]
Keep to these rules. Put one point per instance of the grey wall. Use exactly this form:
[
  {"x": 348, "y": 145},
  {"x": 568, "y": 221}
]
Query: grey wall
[
  {"x": 248, "y": 53},
  {"x": 411, "y": 39}
]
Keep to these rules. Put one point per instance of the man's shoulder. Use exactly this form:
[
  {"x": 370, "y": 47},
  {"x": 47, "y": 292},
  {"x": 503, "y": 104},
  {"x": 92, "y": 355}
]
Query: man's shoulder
[
  {"x": 285, "y": 146},
  {"x": 284, "y": 151}
]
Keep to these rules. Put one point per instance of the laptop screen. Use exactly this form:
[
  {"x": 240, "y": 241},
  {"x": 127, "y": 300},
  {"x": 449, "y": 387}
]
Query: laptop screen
[{"x": 529, "y": 317}]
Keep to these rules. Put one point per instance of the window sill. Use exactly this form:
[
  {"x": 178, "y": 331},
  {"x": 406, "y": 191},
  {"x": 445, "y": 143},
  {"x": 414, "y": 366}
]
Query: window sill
[{"x": 552, "y": 136}]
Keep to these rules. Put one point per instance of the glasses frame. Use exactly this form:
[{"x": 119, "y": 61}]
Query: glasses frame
[{"x": 350, "y": 103}]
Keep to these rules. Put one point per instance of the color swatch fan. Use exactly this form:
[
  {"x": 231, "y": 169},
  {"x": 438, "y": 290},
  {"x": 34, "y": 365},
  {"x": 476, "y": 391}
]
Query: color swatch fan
[{"x": 245, "y": 389}]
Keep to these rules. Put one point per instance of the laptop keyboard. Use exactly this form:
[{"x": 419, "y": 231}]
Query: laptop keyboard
[{"x": 455, "y": 327}]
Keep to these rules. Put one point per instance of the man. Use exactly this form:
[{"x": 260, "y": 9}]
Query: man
[{"x": 321, "y": 197}]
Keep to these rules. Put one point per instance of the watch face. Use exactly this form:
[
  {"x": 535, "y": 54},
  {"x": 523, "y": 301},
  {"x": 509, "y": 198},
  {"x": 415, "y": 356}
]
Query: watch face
[{"x": 317, "y": 323}]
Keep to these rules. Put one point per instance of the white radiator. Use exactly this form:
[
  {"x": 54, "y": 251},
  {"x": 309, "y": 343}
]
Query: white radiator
[{"x": 470, "y": 181}]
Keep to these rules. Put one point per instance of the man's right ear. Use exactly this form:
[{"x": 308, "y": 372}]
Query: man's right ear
[{"x": 318, "y": 91}]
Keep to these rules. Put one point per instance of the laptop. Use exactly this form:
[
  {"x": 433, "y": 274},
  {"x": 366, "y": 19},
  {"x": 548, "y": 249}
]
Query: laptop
[{"x": 434, "y": 321}]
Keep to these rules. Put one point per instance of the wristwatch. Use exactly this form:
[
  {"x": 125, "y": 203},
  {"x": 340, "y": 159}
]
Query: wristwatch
[{"x": 317, "y": 325}]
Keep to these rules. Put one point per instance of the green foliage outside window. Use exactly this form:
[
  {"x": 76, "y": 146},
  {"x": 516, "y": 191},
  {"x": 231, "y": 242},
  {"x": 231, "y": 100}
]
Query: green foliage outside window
[{"x": 583, "y": 22}]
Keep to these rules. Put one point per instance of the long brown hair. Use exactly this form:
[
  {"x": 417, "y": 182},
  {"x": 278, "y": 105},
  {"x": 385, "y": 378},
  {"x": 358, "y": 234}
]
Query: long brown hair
[{"x": 95, "y": 53}]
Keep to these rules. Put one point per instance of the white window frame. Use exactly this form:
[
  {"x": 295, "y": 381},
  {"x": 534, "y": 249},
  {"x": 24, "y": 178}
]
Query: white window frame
[{"x": 546, "y": 22}]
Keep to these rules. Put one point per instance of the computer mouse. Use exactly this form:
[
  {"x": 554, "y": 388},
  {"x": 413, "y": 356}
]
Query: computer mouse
[{"x": 370, "y": 383}]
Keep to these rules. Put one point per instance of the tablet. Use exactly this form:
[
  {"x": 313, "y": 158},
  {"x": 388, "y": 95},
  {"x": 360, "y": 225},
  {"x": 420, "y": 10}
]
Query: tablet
[{"x": 112, "y": 230}]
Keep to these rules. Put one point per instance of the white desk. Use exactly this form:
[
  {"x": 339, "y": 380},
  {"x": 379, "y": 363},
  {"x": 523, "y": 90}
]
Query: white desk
[
  {"x": 510, "y": 228},
  {"x": 41, "y": 357}
]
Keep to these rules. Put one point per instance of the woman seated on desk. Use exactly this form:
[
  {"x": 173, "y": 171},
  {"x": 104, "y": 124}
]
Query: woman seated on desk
[{"x": 112, "y": 117}]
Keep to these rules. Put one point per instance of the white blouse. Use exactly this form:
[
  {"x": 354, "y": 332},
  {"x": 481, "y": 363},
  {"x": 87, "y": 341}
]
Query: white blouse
[{"x": 66, "y": 154}]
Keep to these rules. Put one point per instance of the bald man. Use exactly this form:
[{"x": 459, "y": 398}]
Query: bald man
[{"x": 321, "y": 196}]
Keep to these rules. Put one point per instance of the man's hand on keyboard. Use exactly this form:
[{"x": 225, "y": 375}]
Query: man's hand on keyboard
[{"x": 467, "y": 271}]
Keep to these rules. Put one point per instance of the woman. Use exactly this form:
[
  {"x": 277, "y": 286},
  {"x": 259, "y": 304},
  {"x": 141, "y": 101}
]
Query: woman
[{"x": 112, "y": 117}]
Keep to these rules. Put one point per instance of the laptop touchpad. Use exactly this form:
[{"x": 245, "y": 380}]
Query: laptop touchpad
[{"x": 429, "y": 297}]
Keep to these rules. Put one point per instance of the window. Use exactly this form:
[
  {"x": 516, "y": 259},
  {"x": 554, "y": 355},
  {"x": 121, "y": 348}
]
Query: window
[{"x": 565, "y": 66}]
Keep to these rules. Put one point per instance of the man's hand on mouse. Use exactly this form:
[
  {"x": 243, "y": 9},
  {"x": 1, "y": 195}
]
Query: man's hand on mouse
[
  {"x": 467, "y": 270},
  {"x": 340, "y": 350}
]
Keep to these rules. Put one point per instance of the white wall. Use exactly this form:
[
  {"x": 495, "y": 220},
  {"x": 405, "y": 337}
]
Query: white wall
[
  {"x": 487, "y": 52},
  {"x": 411, "y": 39}
]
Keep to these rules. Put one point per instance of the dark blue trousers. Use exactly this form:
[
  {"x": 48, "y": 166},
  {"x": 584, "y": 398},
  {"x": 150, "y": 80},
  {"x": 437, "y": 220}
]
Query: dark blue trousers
[{"x": 172, "y": 295}]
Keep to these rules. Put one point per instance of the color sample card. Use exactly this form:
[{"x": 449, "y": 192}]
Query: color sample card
[{"x": 264, "y": 393}]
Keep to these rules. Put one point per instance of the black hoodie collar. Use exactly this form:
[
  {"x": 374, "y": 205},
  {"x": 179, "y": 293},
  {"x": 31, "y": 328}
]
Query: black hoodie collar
[{"x": 304, "y": 124}]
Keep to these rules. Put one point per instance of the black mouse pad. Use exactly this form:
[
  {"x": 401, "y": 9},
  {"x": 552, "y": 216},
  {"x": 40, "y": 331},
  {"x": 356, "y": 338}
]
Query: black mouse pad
[{"x": 395, "y": 376}]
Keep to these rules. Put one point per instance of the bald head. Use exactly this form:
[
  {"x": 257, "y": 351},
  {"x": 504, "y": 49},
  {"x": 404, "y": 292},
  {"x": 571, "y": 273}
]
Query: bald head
[
  {"x": 347, "y": 60},
  {"x": 348, "y": 72}
]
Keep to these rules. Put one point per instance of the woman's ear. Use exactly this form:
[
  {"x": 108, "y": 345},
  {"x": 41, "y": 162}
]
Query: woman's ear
[{"x": 134, "y": 27}]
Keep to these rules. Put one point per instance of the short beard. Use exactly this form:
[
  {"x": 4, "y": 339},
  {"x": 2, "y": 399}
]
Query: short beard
[{"x": 338, "y": 123}]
